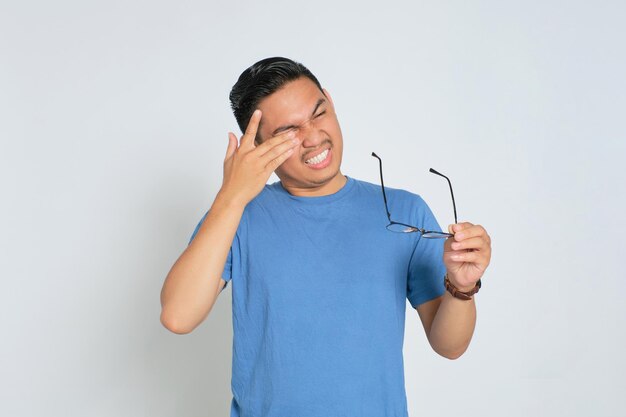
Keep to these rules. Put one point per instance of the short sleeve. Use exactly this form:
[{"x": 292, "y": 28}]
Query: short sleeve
[
  {"x": 227, "y": 272},
  {"x": 426, "y": 267}
]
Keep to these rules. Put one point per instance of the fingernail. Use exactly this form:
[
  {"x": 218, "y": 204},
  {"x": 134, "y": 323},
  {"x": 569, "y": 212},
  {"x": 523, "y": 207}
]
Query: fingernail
[
  {"x": 291, "y": 134},
  {"x": 459, "y": 235}
]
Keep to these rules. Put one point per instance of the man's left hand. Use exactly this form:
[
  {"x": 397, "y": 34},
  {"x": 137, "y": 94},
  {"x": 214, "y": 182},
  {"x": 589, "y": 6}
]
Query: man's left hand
[{"x": 466, "y": 255}]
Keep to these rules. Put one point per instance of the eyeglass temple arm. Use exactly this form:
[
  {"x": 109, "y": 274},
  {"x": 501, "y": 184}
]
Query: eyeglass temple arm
[
  {"x": 380, "y": 164},
  {"x": 451, "y": 192}
]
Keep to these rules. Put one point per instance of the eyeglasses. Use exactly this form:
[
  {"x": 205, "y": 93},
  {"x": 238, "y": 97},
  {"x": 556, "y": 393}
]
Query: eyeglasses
[{"x": 406, "y": 228}]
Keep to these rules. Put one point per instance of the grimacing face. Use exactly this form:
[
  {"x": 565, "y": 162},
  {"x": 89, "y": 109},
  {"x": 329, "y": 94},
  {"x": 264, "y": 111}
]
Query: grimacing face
[{"x": 301, "y": 106}]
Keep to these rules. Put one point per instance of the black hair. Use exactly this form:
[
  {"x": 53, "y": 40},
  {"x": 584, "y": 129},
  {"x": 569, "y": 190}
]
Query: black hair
[{"x": 259, "y": 81}]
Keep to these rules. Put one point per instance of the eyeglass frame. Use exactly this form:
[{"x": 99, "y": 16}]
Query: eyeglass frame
[{"x": 428, "y": 234}]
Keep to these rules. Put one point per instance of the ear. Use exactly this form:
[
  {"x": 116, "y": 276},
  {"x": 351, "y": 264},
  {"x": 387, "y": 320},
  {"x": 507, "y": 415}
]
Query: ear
[{"x": 330, "y": 99}]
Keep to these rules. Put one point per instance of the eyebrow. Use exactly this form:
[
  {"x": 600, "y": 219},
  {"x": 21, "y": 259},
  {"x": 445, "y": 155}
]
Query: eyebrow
[{"x": 287, "y": 127}]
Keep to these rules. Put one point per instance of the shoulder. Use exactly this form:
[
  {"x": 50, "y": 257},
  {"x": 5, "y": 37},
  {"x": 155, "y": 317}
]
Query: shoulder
[
  {"x": 269, "y": 195},
  {"x": 377, "y": 190},
  {"x": 397, "y": 195},
  {"x": 403, "y": 205}
]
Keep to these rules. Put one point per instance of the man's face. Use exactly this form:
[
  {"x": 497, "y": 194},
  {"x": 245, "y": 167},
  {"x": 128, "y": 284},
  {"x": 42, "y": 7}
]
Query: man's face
[{"x": 301, "y": 106}]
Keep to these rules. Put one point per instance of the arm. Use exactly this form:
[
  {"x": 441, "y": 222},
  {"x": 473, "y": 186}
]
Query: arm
[
  {"x": 449, "y": 324},
  {"x": 194, "y": 282},
  {"x": 448, "y": 321}
]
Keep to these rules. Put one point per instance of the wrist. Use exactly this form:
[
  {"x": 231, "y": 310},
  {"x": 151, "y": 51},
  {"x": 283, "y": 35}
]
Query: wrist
[
  {"x": 230, "y": 199},
  {"x": 463, "y": 293},
  {"x": 462, "y": 288}
]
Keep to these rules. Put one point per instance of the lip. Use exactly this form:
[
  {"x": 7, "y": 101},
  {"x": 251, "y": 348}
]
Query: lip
[
  {"x": 313, "y": 156},
  {"x": 324, "y": 163}
]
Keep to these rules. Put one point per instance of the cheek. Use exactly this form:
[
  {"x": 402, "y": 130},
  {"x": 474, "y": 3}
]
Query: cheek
[{"x": 333, "y": 128}]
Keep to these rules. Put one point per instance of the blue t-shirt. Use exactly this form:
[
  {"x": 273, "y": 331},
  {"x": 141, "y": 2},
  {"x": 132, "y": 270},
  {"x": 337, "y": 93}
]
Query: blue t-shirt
[{"x": 319, "y": 290}]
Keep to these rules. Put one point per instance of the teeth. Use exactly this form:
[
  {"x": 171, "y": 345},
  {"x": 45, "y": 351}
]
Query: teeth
[{"x": 319, "y": 158}]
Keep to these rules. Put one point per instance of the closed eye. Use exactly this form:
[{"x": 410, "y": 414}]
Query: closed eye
[{"x": 319, "y": 114}]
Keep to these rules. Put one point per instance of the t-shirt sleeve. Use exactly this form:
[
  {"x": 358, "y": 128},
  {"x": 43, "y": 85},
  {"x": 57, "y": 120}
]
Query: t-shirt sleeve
[
  {"x": 227, "y": 272},
  {"x": 426, "y": 267}
]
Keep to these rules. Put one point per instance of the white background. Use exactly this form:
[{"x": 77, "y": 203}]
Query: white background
[{"x": 113, "y": 125}]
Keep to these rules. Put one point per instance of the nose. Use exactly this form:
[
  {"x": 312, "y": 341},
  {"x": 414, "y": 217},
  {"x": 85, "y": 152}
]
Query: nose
[{"x": 310, "y": 135}]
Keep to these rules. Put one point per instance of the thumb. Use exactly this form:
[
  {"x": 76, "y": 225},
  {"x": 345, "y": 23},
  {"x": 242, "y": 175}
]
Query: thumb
[{"x": 232, "y": 145}]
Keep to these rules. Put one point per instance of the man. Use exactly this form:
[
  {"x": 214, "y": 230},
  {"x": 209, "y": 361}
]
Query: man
[{"x": 319, "y": 284}]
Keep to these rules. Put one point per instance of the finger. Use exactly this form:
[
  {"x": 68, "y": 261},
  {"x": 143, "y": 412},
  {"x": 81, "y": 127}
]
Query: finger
[
  {"x": 247, "y": 140},
  {"x": 469, "y": 257},
  {"x": 268, "y": 144},
  {"x": 278, "y": 149},
  {"x": 469, "y": 232},
  {"x": 232, "y": 145},
  {"x": 276, "y": 162},
  {"x": 472, "y": 243},
  {"x": 457, "y": 227}
]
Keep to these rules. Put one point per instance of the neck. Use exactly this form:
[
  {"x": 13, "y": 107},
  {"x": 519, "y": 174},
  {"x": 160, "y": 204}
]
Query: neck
[{"x": 316, "y": 190}]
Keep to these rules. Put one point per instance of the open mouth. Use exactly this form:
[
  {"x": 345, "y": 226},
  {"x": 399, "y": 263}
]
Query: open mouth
[{"x": 319, "y": 158}]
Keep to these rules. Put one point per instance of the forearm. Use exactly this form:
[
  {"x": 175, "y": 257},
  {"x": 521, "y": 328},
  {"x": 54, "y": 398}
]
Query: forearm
[
  {"x": 193, "y": 283},
  {"x": 453, "y": 326}
]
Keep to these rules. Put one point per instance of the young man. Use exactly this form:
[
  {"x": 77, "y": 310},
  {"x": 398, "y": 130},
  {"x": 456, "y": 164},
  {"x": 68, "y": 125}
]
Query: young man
[{"x": 319, "y": 285}]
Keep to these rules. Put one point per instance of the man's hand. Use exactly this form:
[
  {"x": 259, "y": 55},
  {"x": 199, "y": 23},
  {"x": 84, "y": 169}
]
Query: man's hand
[
  {"x": 248, "y": 167},
  {"x": 466, "y": 255}
]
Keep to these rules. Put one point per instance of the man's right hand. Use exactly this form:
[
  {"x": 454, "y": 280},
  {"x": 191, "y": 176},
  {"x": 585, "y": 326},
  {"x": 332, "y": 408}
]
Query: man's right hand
[
  {"x": 248, "y": 167},
  {"x": 193, "y": 284}
]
